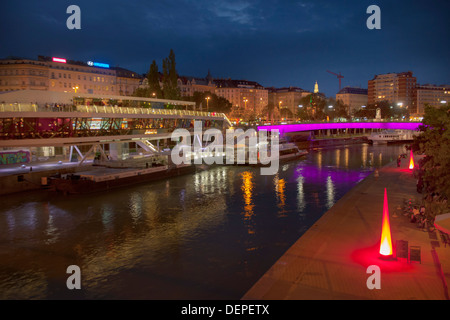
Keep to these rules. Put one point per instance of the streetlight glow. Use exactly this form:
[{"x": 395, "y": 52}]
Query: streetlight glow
[{"x": 207, "y": 103}]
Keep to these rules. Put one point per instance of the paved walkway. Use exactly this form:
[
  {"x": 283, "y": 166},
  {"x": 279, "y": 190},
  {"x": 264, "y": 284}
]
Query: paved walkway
[{"x": 330, "y": 260}]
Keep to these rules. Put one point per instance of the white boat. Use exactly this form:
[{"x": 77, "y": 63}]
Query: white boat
[
  {"x": 391, "y": 136},
  {"x": 287, "y": 151}
]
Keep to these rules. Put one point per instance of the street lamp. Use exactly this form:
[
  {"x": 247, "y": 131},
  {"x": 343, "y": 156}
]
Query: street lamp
[
  {"x": 75, "y": 88},
  {"x": 245, "y": 103},
  {"x": 207, "y": 103}
]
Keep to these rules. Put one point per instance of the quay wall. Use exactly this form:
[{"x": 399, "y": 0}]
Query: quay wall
[{"x": 32, "y": 180}]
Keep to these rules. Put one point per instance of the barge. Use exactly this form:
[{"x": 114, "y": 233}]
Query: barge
[{"x": 103, "y": 178}]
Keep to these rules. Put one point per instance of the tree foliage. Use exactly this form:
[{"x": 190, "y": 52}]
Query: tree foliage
[
  {"x": 388, "y": 111},
  {"x": 316, "y": 108},
  {"x": 170, "y": 78},
  {"x": 214, "y": 104},
  {"x": 434, "y": 143},
  {"x": 153, "y": 81}
]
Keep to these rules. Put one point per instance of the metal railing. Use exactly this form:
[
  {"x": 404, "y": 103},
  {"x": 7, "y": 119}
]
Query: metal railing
[{"x": 31, "y": 107}]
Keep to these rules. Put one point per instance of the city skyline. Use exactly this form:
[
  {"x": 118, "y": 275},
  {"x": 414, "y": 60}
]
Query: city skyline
[{"x": 286, "y": 43}]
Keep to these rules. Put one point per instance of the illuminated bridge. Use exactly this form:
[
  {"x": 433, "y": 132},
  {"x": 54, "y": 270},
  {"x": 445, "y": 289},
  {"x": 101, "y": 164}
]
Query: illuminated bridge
[{"x": 352, "y": 127}]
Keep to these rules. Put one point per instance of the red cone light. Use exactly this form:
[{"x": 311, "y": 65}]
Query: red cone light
[
  {"x": 411, "y": 161},
  {"x": 386, "y": 241}
]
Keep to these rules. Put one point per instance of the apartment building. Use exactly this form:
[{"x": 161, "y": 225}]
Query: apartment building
[
  {"x": 432, "y": 95},
  {"x": 63, "y": 75},
  {"x": 243, "y": 94},
  {"x": 397, "y": 88},
  {"x": 354, "y": 98},
  {"x": 288, "y": 97}
]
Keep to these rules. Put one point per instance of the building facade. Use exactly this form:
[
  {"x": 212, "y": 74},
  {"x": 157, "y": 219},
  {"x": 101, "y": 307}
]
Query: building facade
[
  {"x": 287, "y": 98},
  {"x": 432, "y": 95},
  {"x": 62, "y": 75},
  {"x": 397, "y": 88},
  {"x": 23, "y": 74},
  {"x": 245, "y": 96},
  {"x": 189, "y": 85},
  {"x": 354, "y": 98},
  {"x": 126, "y": 81}
]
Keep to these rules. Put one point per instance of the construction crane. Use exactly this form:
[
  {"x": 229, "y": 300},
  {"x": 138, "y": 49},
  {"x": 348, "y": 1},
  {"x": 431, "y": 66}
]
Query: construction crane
[{"x": 339, "y": 76}]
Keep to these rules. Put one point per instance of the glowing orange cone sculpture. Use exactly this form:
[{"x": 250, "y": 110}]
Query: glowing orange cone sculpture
[
  {"x": 411, "y": 161},
  {"x": 386, "y": 241}
]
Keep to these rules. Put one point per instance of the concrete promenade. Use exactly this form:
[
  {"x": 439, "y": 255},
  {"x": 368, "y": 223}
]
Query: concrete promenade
[{"x": 330, "y": 260}]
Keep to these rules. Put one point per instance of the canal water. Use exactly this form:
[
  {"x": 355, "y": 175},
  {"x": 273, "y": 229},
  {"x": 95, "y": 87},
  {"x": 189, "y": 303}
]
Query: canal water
[{"x": 208, "y": 235}]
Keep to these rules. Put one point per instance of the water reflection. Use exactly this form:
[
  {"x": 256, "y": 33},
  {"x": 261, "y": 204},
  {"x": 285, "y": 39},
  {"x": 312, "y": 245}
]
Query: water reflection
[
  {"x": 364, "y": 149},
  {"x": 338, "y": 157},
  {"x": 330, "y": 192},
  {"x": 346, "y": 155},
  {"x": 280, "y": 186},
  {"x": 247, "y": 190},
  {"x": 300, "y": 193},
  {"x": 319, "y": 159},
  {"x": 208, "y": 235}
]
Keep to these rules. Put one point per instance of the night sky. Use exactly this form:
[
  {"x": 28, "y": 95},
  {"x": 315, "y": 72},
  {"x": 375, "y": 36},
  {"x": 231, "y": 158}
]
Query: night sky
[{"x": 276, "y": 43}]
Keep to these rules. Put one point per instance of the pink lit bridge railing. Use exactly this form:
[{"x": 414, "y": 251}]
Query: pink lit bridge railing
[{"x": 286, "y": 128}]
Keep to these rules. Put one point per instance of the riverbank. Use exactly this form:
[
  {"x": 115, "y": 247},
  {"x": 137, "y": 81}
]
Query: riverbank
[{"x": 330, "y": 260}]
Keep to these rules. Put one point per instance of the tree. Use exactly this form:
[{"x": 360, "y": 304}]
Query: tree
[
  {"x": 170, "y": 78},
  {"x": 341, "y": 110},
  {"x": 154, "y": 89},
  {"x": 434, "y": 142},
  {"x": 313, "y": 107},
  {"x": 366, "y": 112},
  {"x": 303, "y": 114},
  {"x": 285, "y": 113},
  {"x": 271, "y": 112},
  {"x": 388, "y": 110},
  {"x": 215, "y": 103}
]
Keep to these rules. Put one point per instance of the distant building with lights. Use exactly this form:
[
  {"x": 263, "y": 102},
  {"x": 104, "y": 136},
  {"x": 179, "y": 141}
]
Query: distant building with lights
[
  {"x": 288, "y": 97},
  {"x": 189, "y": 85},
  {"x": 432, "y": 95},
  {"x": 397, "y": 88},
  {"x": 62, "y": 75},
  {"x": 354, "y": 98},
  {"x": 243, "y": 94}
]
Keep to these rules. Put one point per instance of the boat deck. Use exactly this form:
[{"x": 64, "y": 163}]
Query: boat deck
[{"x": 104, "y": 174}]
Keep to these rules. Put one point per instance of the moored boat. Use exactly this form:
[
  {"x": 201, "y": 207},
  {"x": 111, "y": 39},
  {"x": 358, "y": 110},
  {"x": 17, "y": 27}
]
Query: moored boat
[{"x": 391, "y": 136}]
